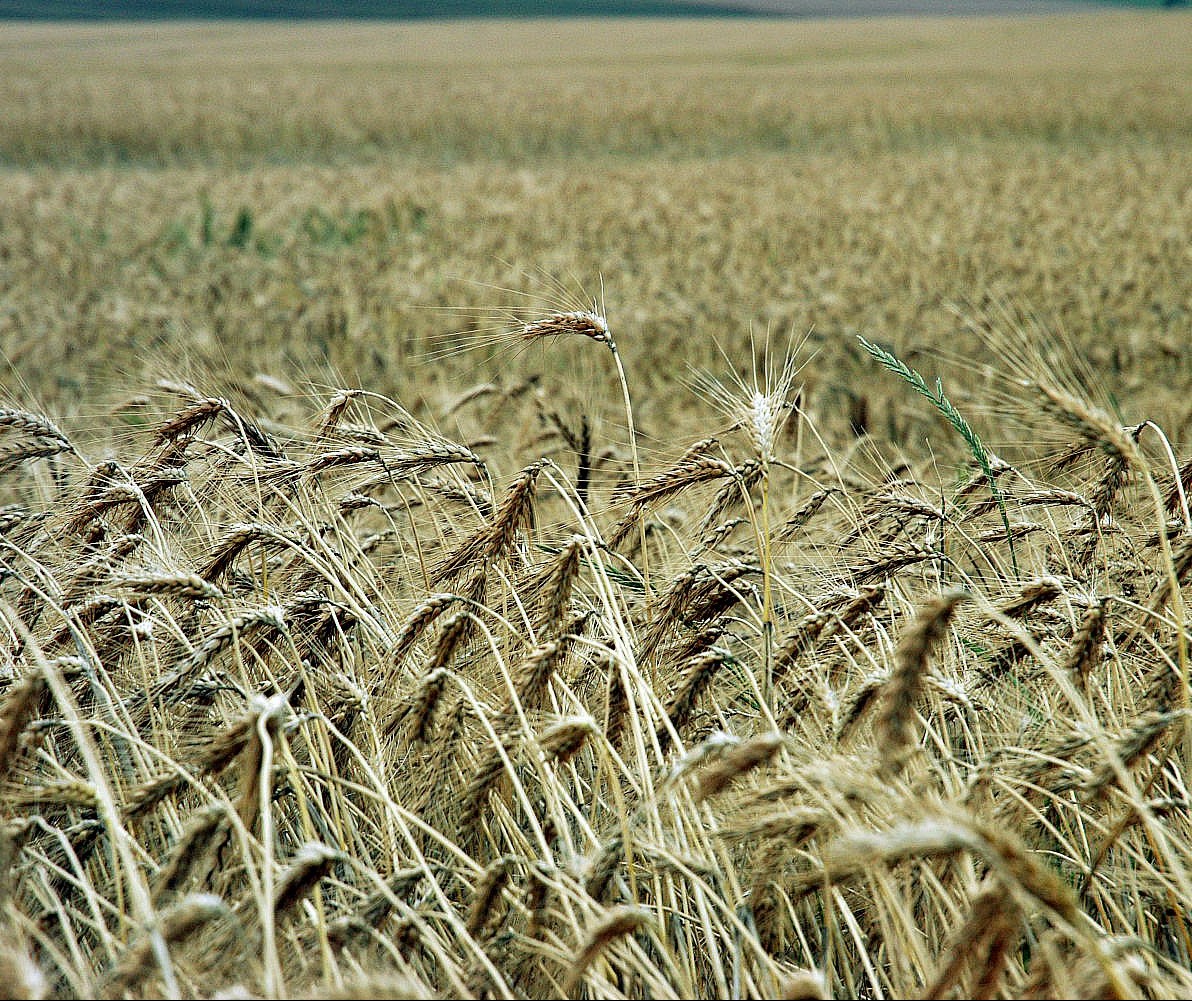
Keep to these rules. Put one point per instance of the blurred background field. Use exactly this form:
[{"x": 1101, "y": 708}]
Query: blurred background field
[{"x": 328, "y": 202}]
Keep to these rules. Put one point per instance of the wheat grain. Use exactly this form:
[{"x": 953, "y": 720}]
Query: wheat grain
[
  {"x": 489, "y": 887},
  {"x": 737, "y": 762},
  {"x": 893, "y": 723},
  {"x": 311, "y": 863},
  {"x": 177, "y": 924},
  {"x": 696, "y": 678},
  {"x": 620, "y": 921}
]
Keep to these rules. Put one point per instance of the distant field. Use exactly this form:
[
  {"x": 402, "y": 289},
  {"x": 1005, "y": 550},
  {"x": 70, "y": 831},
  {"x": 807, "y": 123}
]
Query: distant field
[
  {"x": 226, "y": 93},
  {"x": 597, "y": 509},
  {"x": 838, "y": 177}
]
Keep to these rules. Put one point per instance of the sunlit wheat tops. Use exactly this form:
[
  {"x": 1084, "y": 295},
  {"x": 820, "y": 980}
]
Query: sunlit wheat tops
[
  {"x": 582, "y": 323},
  {"x": 592, "y": 324},
  {"x": 760, "y": 406},
  {"x": 760, "y": 403},
  {"x": 765, "y": 417}
]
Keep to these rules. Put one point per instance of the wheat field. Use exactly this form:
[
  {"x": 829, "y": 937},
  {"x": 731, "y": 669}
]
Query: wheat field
[{"x": 568, "y": 509}]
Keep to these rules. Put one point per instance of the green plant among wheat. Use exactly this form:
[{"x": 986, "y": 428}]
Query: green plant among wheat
[{"x": 937, "y": 398}]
